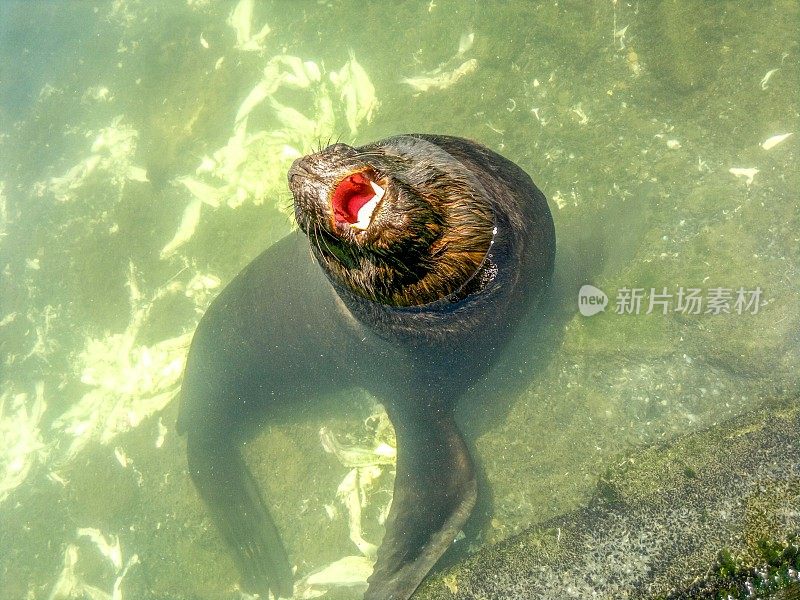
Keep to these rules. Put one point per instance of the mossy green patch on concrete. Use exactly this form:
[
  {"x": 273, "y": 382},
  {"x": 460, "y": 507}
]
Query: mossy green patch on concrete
[{"x": 706, "y": 513}]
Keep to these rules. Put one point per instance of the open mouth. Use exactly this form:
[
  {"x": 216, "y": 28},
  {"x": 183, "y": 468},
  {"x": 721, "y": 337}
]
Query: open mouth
[{"x": 355, "y": 199}]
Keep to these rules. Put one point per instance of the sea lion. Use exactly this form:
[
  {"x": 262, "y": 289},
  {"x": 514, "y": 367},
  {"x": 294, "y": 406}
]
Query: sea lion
[{"x": 425, "y": 252}]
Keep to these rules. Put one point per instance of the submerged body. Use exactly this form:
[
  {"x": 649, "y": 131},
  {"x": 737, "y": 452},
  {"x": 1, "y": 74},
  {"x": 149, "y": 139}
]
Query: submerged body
[{"x": 425, "y": 252}]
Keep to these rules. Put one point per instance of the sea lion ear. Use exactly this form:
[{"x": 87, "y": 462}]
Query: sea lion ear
[{"x": 434, "y": 493}]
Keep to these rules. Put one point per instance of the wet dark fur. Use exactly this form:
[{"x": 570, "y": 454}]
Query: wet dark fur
[
  {"x": 414, "y": 309},
  {"x": 428, "y": 238}
]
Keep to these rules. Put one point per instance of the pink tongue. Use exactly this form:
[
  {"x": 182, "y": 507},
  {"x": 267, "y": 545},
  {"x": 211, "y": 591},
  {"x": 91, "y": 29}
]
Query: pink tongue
[{"x": 350, "y": 195}]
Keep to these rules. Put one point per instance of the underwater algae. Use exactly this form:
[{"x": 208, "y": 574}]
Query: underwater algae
[{"x": 631, "y": 116}]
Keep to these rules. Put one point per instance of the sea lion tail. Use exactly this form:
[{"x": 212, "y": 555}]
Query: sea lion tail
[
  {"x": 434, "y": 493},
  {"x": 238, "y": 510}
]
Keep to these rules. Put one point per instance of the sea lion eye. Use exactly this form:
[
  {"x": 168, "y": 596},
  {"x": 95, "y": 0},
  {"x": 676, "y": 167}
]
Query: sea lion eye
[{"x": 354, "y": 200}]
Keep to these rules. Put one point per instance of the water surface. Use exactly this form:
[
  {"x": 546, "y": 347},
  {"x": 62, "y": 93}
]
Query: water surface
[{"x": 143, "y": 150}]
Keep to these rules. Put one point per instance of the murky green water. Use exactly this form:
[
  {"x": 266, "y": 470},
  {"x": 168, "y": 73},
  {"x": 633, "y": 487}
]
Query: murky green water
[{"x": 143, "y": 150}]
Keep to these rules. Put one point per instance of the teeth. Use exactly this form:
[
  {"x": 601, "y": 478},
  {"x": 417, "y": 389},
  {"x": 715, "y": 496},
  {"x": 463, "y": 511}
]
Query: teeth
[
  {"x": 378, "y": 189},
  {"x": 365, "y": 212}
]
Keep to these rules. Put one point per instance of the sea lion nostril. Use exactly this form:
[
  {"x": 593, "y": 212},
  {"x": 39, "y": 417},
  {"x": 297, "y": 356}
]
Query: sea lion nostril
[
  {"x": 296, "y": 169},
  {"x": 457, "y": 246}
]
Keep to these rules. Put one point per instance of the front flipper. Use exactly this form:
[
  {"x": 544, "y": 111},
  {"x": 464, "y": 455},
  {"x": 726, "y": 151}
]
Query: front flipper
[
  {"x": 434, "y": 493},
  {"x": 238, "y": 510}
]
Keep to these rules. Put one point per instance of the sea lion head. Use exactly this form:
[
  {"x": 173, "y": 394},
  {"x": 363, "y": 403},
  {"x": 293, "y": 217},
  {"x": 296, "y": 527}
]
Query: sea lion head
[{"x": 400, "y": 222}]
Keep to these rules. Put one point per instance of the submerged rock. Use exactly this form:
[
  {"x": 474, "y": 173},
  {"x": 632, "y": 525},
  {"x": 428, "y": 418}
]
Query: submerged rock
[{"x": 715, "y": 512}]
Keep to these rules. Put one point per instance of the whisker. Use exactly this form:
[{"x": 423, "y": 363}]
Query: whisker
[
  {"x": 321, "y": 240},
  {"x": 317, "y": 240},
  {"x": 313, "y": 236}
]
